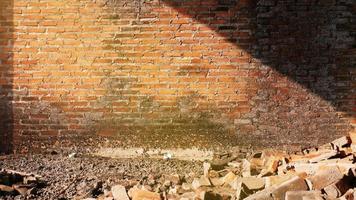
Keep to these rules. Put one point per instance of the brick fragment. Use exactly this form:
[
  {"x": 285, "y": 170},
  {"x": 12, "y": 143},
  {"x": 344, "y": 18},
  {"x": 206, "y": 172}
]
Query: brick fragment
[
  {"x": 303, "y": 195},
  {"x": 119, "y": 192},
  {"x": 325, "y": 176}
]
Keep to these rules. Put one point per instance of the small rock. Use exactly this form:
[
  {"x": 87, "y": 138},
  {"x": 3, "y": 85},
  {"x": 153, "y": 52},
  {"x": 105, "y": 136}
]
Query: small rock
[
  {"x": 172, "y": 197},
  {"x": 228, "y": 178},
  {"x": 206, "y": 168},
  {"x": 119, "y": 192},
  {"x": 148, "y": 187},
  {"x": 188, "y": 195},
  {"x": 172, "y": 190},
  {"x": 213, "y": 174},
  {"x": 236, "y": 184},
  {"x": 186, "y": 186},
  {"x": 270, "y": 167},
  {"x": 22, "y": 189},
  {"x": 72, "y": 155},
  {"x": 167, "y": 156},
  {"x": 6, "y": 189},
  {"x": 234, "y": 164},
  {"x": 216, "y": 181},
  {"x": 220, "y": 162},
  {"x": 246, "y": 168},
  {"x": 167, "y": 183},
  {"x": 139, "y": 194},
  {"x": 200, "y": 194},
  {"x": 175, "y": 179},
  {"x": 202, "y": 181},
  {"x": 29, "y": 179}
]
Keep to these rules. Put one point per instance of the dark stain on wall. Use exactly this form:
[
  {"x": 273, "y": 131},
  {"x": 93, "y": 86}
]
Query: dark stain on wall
[{"x": 6, "y": 71}]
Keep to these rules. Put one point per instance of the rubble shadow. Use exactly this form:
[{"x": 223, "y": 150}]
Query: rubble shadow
[{"x": 6, "y": 73}]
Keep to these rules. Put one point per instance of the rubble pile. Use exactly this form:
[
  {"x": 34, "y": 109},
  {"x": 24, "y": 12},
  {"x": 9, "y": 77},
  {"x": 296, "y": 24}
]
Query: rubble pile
[
  {"x": 18, "y": 183},
  {"x": 326, "y": 172}
]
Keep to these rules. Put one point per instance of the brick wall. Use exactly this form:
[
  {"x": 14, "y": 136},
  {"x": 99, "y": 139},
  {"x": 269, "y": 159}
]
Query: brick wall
[{"x": 247, "y": 72}]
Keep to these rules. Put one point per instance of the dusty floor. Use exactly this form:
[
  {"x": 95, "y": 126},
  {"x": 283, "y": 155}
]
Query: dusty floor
[{"x": 68, "y": 177}]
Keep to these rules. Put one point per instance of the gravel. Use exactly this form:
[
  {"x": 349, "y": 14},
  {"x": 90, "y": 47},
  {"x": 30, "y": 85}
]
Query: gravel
[{"x": 77, "y": 175}]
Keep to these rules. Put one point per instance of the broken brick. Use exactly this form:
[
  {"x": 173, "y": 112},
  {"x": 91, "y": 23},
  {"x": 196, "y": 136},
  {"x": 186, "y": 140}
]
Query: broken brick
[
  {"x": 325, "y": 176},
  {"x": 303, "y": 195}
]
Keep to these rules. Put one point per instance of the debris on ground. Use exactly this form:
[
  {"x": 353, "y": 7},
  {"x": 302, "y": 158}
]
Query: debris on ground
[
  {"x": 325, "y": 172},
  {"x": 19, "y": 183}
]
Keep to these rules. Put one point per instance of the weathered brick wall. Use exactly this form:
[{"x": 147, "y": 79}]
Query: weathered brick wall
[{"x": 260, "y": 72}]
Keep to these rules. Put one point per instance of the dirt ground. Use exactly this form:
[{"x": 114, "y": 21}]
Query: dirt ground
[{"x": 67, "y": 177}]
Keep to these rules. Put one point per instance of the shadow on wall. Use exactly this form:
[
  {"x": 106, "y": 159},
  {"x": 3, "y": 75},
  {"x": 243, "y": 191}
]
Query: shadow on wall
[
  {"x": 309, "y": 42},
  {"x": 313, "y": 44},
  {"x": 6, "y": 43},
  {"x": 299, "y": 50}
]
